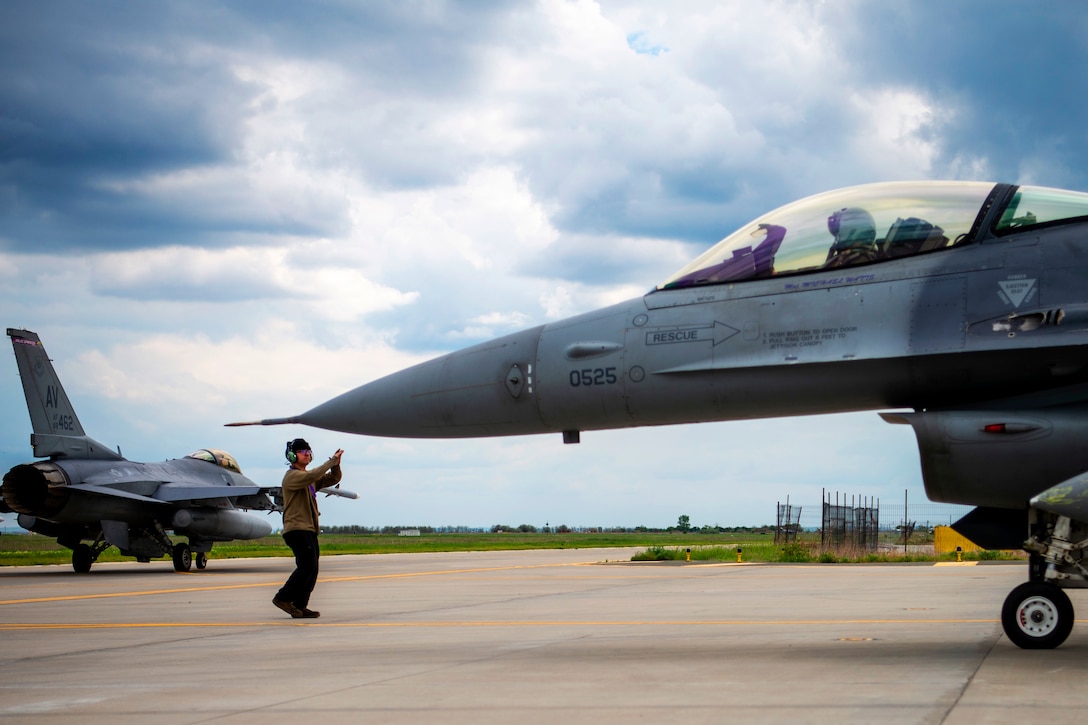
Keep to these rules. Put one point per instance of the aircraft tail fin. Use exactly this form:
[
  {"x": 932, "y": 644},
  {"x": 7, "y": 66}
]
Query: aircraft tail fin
[{"x": 57, "y": 430}]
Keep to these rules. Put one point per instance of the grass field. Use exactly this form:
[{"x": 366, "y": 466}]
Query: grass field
[
  {"x": 30, "y": 549},
  {"x": 33, "y": 549}
]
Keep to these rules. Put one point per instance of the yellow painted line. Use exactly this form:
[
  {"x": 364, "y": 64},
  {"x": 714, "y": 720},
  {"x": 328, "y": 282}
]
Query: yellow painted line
[
  {"x": 415, "y": 625},
  {"x": 956, "y": 563},
  {"x": 112, "y": 595},
  {"x": 362, "y": 577},
  {"x": 276, "y": 583}
]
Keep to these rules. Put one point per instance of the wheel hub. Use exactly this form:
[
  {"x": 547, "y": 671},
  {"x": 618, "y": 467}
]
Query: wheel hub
[{"x": 1037, "y": 616}]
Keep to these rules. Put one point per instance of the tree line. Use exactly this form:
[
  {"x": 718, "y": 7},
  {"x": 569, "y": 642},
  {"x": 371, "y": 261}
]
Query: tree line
[{"x": 681, "y": 527}]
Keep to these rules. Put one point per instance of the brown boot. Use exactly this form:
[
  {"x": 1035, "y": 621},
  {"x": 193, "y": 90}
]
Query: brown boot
[{"x": 289, "y": 607}]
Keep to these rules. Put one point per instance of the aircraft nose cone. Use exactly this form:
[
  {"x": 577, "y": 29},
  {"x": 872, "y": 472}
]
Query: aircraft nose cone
[
  {"x": 468, "y": 393},
  {"x": 382, "y": 407}
]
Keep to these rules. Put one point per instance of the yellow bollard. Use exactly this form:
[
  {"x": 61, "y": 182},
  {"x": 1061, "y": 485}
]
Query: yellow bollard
[
  {"x": 738, "y": 555},
  {"x": 689, "y": 554}
]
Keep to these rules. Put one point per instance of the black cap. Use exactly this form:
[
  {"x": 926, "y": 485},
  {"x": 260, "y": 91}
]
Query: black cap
[{"x": 298, "y": 444}]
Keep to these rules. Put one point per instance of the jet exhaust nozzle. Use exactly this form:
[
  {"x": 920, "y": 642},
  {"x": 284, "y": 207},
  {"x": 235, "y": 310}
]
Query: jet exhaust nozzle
[{"x": 35, "y": 489}]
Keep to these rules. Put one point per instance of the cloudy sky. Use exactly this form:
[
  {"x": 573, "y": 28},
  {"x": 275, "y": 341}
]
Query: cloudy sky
[{"x": 221, "y": 211}]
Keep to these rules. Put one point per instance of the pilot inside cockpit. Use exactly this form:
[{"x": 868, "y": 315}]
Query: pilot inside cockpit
[{"x": 854, "y": 233}]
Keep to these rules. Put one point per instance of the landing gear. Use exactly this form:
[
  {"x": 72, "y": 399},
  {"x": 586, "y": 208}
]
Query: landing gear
[
  {"x": 1037, "y": 615},
  {"x": 183, "y": 557},
  {"x": 187, "y": 554},
  {"x": 1036, "y": 568},
  {"x": 84, "y": 555},
  {"x": 82, "y": 558}
]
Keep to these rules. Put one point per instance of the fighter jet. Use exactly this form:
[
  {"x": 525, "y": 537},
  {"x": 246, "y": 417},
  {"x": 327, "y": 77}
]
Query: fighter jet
[
  {"x": 958, "y": 308},
  {"x": 87, "y": 492}
]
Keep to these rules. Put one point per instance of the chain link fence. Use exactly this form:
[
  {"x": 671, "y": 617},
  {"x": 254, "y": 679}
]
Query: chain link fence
[{"x": 861, "y": 520}]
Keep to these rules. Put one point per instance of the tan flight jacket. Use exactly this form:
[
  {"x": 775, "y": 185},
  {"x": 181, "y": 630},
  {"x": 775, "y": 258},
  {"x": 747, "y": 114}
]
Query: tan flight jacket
[{"x": 299, "y": 505}]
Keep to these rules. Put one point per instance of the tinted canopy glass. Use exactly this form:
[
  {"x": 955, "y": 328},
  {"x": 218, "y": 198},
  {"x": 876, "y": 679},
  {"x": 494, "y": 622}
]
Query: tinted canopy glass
[
  {"x": 1036, "y": 206},
  {"x": 218, "y": 457},
  {"x": 846, "y": 227}
]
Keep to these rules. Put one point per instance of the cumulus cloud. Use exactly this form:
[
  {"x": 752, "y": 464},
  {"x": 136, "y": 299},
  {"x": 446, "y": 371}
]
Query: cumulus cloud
[
  {"x": 240, "y": 274},
  {"x": 273, "y": 373}
]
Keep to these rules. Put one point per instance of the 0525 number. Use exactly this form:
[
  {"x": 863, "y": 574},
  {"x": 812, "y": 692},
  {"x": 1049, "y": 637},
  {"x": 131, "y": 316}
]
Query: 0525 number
[{"x": 593, "y": 376}]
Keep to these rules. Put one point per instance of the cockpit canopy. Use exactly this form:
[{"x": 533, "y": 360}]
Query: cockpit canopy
[
  {"x": 218, "y": 457},
  {"x": 870, "y": 223}
]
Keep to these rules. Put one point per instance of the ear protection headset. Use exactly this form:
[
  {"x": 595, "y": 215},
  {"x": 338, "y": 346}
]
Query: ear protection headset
[{"x": 297, "y": 444}]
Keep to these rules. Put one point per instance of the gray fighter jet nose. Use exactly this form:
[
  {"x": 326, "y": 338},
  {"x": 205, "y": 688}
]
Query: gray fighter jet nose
[
  {"x": 481, "y": 391},
  {"x": 377, "y": 408}
]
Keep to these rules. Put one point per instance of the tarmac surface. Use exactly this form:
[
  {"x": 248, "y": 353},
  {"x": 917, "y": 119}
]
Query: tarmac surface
[{"x": 528, "y": 637}]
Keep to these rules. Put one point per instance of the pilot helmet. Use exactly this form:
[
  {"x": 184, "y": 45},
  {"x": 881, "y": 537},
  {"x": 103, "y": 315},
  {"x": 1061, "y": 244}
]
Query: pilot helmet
[{"x": 851, "y": 227}]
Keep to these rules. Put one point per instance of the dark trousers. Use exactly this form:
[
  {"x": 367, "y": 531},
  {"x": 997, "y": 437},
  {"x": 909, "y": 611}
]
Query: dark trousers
[{"x": 301, "y": 583}]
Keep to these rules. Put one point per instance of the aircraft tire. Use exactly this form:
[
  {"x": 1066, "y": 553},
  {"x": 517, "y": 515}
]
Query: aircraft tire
[
  {"x": 82, "y": 558},
  {"x": 201, "y": 560},
  {"x": 183, "y": 557},
  {"x": 1037, "y": 615}
]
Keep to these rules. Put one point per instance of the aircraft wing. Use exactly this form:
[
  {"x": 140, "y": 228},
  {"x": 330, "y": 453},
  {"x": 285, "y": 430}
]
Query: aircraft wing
[
  {"x": 179, "y": 480},
  {"x": 187, "y": 492},
  {"x": 169, "y": 492},
  {"x": 96, "y": 490}
]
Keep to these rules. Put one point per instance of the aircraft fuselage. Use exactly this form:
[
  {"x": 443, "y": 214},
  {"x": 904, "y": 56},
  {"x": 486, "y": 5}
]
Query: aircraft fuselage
[{"x": 922, "y": 332}]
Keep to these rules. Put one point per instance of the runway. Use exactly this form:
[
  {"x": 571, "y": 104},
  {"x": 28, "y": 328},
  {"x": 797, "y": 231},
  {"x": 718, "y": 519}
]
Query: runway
[{"x": 526, "y": 637}]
